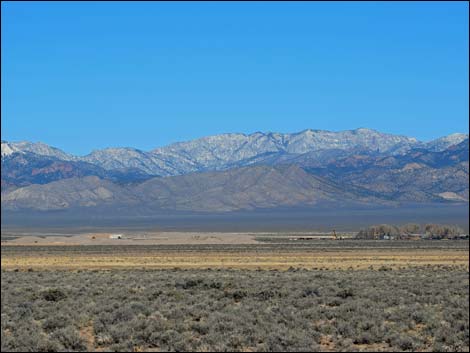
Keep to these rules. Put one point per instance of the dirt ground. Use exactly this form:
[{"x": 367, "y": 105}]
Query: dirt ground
[
  {"x": 51, "y": 258},
  {"x": 147, "y": 238},
  {"x": 193, "y": 250},
  {"x": 282, "y": 261}
]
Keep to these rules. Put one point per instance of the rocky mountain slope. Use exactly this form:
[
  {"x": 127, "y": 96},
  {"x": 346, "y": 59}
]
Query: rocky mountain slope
[
  {"x": 226, "y": 151},
  {"x": 242, "y": 188},
  {"x": 39, "y": 148},
  {"x": 418, "y": 175},
  {"x": 236, "y": 171},
  {"x": 21, "y": 169},
  {"x": 445, "y": 142}
]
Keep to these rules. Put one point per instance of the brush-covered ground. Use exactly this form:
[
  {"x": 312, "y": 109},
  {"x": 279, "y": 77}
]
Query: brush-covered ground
[{"x": 409, "y": 309}]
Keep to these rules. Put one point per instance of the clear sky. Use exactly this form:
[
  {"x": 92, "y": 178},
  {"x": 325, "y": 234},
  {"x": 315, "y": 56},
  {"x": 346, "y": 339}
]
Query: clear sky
[{"x": 89, "y": 75}]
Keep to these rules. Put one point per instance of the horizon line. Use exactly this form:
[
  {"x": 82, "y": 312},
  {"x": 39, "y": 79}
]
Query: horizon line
[{"x": 232, "y": 133}]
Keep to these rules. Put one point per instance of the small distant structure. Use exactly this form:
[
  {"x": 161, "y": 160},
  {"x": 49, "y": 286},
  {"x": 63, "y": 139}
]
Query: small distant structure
[
  {"x": 116, "y": 236},
  {"x": 335, "y": 236}
]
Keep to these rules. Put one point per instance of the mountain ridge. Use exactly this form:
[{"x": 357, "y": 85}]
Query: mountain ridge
[
  {"x": 218, "y": 152},
  {"x": 232, "y": 172}
]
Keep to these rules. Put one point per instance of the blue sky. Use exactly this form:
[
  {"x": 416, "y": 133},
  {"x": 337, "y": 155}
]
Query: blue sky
[{"x": 83, "y": 76}]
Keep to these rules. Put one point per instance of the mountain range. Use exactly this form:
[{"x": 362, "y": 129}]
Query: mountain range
[{"x": 237, "y": 171}]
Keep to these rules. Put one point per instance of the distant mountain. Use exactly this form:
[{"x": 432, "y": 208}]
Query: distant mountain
[
  {"x": 221, "y": 151},
  {"x": 416, "y": 176},
  {"x": 236, "y": 171},
  {"x": 24, "y": 168},
  {"x": 66, "y": 193},
  {"x": 242, "y": 188},
  {"x": 445, "y": 142},
  {"x": 122, "y": 158},
  {"x": 226, "y": 151},
  {"x": 38, "y": 148}
]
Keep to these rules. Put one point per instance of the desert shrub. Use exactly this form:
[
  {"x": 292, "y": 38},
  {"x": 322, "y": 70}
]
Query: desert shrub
[
  {"x": 214, "y": 285},
  {"x": 345, "y": 293},
  {"x": 310, "y": 292},
  {"x": 268, "y": 294},
  {"x": 238, "y": 310},
  {"x": 119, "y": 333},
  {"x": 236, "y": 294},
  {"x": 55, "y": 322},
  {"x": 363, "y": 338},
  {"x": 190, "y": 283},
  {"x": 24, "y": 310},
  {"x": 70, "y": 339},
  {"x": 53, "y": 295},
  {"x": 121, "y": 314},
  {"x": 405, "y": 343},
  {"x": 200, "y": 328},
  {"x": 418, "y": 317}
]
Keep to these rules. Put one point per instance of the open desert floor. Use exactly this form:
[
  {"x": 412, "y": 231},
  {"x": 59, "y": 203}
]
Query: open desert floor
[
  {"x": 232, "y": 292},
  {"x": 223, "y": 250}
]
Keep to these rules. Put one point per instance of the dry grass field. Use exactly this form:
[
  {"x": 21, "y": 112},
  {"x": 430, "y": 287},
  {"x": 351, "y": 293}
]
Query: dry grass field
[
  {"x": 143, "y": 258},
  {"x": 238, "y": 251}
]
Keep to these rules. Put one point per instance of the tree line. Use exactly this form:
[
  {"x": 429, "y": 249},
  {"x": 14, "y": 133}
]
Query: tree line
[{"x": 436, "y": 231}]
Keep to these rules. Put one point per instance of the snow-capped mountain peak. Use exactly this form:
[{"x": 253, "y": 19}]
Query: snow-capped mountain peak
[
  {"x": 38, "y": 148},
  {"x": 445, "y": 142}
]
